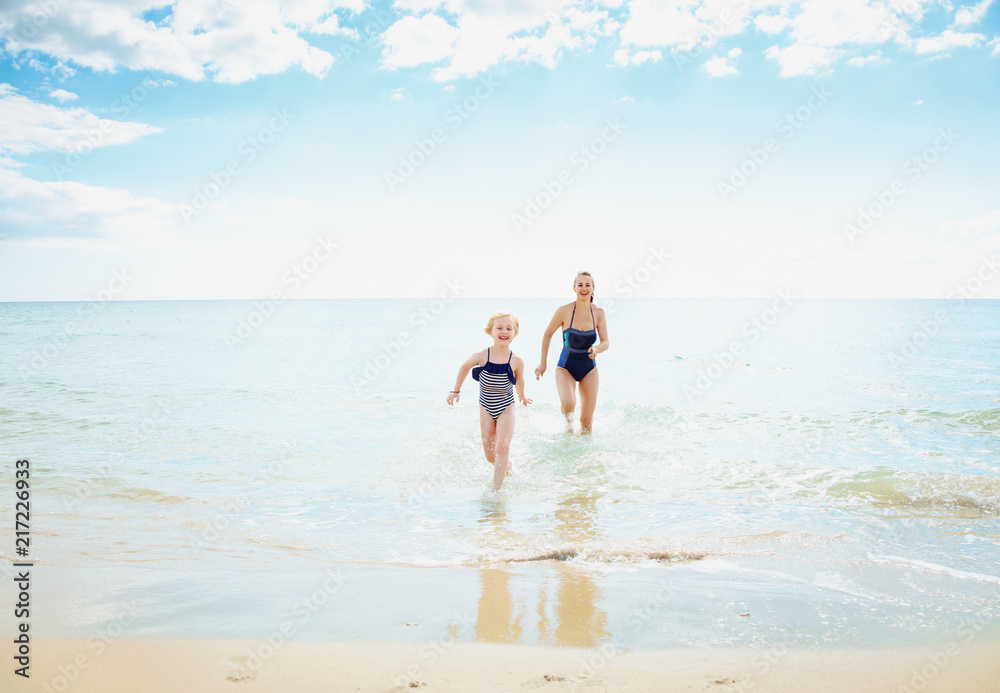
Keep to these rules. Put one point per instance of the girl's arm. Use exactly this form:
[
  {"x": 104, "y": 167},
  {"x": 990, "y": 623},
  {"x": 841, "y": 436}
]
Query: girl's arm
[
  {"x": 519, "y": 378},
  {"x": 602, "y": 332},
  {"x": 462, "y": 372},
  {"x": 554, "y": 325}
]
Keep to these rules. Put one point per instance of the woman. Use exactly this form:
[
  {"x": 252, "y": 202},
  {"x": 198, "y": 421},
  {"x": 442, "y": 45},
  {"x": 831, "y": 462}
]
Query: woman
[{"x": 577, "y": 367}]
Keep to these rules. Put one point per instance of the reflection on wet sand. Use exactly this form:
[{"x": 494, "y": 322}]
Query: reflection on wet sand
[
  {"x": 574, "y": 620},
  {"x": 495, "y": 621}
]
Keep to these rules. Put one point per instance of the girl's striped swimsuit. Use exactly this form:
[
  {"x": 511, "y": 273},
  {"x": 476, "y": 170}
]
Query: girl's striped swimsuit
[{"x": 496, "y": 385}]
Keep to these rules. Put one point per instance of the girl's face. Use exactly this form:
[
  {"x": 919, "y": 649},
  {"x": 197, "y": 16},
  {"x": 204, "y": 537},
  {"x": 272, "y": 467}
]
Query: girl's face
[
  {"x": 584, "y": 286},
  {"x": 503, "y": 330}
]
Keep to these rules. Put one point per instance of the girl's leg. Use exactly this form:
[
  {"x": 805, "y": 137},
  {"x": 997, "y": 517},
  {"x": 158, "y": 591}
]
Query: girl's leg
[
  {"x": 588, "y": 400},
  {"x": 566, "y": 387},
  {"x": 488, "y": 428},
  {"x": 504, "y": 432}
]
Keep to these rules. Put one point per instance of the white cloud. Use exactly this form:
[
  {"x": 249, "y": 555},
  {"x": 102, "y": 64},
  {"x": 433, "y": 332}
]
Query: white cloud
[
  {"x": 238, "y": 41},
  {"x": 944, "y": 41},
  {"x": 641, "y": 57},
  {"x": 622, "y": 57},
  {"x": 28, "y": 126},
  {"x": 975, "y": 227},
  {"x": 398, "y": 94},
  {"x": 33, "y": 209},
  {"x": 669, "y": 23},
  {"x": 772, "y": 23},
  {"x": 914, "y": 9},
  {"x": 545, "y": 48},
  {"x": 802, "y": 59},
  {"x": 833, "y": 23},
  {"x": 331, "y": 27},
  {"x": 972, "y": 15},
  {"x": 63, "y": 96},
  {"x": 519, "y": 30},
  {"x": 996, "y": 45},
  {"x": 719, "y": 67},
  {"x": 412, "y": 41},
  {"x": 735, "y": 52},
  {"x": 683, "y": 24},
  {"x": 918, "y": 102},
  {"x": 860, "y": 61},
  {"x": 231, "y": 42}
]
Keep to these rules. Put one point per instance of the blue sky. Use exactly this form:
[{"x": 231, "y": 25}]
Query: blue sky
[{"x": 843, "y": 148}]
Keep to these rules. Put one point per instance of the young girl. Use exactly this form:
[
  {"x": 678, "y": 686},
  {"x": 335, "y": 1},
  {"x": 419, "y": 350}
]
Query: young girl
[{"x": 498, "y": 370}]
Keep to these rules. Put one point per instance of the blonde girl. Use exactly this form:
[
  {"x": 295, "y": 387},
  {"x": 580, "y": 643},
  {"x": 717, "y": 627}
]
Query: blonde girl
[{"x": 498, "y": 371}]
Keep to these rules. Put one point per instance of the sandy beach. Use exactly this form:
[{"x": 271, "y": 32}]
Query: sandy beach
[{"x": 384, "y": 667}]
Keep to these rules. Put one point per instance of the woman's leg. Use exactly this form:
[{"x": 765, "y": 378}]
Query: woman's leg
[
  {"x": 488, "y": 427},
  {"x": 504, "y": 432},
  {"x": 588, "y": 400},
  {"x": 566, "y": 387}
]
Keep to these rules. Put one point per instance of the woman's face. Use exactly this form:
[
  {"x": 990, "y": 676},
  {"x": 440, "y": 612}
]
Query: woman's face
[
  {"x": 503, "y": 330},
  {"x": 584, "y": 286}
]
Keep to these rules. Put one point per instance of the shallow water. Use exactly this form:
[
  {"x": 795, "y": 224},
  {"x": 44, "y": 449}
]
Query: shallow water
[{"x": 837, "y": 479}]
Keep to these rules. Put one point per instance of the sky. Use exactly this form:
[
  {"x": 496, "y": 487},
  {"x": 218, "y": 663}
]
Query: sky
[{"x": 237, "y": 149}]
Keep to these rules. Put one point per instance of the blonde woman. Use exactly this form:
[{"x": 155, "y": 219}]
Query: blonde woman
[
  {"x": 577, "y": 367},
  {"x": 498, "y": 371}
]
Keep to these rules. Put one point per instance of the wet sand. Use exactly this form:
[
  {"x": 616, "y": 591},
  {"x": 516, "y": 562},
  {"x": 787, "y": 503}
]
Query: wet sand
[{"x": 460, "y": 667}]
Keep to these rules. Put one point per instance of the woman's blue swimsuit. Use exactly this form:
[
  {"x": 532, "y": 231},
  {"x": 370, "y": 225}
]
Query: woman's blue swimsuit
[
  {"x": 496, "y": 385},
  {"x": 575, "y": 356}
]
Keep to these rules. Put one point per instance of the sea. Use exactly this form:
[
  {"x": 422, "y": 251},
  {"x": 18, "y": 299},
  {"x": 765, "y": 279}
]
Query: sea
[{"x": 762, "y": 473}]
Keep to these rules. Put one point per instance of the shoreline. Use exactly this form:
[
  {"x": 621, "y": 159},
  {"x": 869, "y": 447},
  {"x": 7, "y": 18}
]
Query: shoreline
[{"x": 161, "y": 665}]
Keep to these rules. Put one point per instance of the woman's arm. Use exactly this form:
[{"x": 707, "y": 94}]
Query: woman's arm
[
  {"x": 462, "y": 372},
  {"x": 554, "y": 324},
  {"x": 602, "y": 333}
]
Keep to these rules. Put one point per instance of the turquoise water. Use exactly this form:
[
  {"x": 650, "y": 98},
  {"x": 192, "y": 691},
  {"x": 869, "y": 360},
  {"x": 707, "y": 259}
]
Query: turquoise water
[{"x": 836, "y": 479}]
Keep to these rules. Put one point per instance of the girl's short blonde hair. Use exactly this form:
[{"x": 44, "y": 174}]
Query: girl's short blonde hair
[{"x": 502, "y": 314}]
